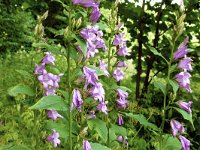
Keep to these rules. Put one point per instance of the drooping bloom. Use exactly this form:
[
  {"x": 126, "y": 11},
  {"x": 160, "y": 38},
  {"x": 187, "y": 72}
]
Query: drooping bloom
[
  {"x": 119, "y": 39},
  {"x": 176, "y": 127},
  {"x": 122, "y": 94},
  {"x": 184, "y": 80},
  {"x": 103, "y": 67},
  {"x": 182, "y": 49},
  {"x": 185, "y": 106},
  {"x": 122, "y": 103},
  {"x": 91, "y": 115},
  {"x": 120, "y": 120},
  {"x": 121, "y": 64},
  {"x": 86, "y": 145},
  {"x": 84, "y": 3},
  {"x": 76, "y": 100},
  {"x": 126, "y": 141},
  {"x": 95, "y": 15},
  {"x": 185, "y": 143},
  {"x": 122, "y": 51},
  {"x": 120, "y": 138},
  {"x": 102, "y": 107},
  {"x": 54, "y": 115},
  {"x": 48, "y": 58},
  {"x": 90, "y": 75},
  {"x": 53, "y": 138},
  {"x": 185, "y": 64},
  {"x": 40, "y": 69},
  {"x": 118, "y": 74},
  {"x": 98, "y": 92}
]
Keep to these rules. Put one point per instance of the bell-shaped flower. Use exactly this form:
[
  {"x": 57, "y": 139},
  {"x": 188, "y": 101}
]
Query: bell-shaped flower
[
  {"x": 102, "y": 107},
  {"x": 53, "y": 138},
  {"x": 48, "y": 58},
  {"x": 97, "y": 92},
  {"x": 121, "y": 64},
  {"x": 185, "y": 143},
  {"x": 122, "y": 51},
  {"x": 40, "y": 69},
  {"x": 182, "y": 49},
  {"x": 119, "y": 39},
  {"x": 103, "y": 67},
  {"x": 120, "y": 120},
  {"x": 118, "y": 74},
  {"x": 95, "y": 15},
  {"x": 122, "y": 94},
  {"x": 184, "y": 80},
  {"x": 86, "y": 145},
  {"x": 120, "y": 139},
  {"x": 91, "y": 115},
  {"x": 122, "y": 103},
  {"x": 54, "y": 115},
  {"x": 91, "y": 76},
  {"x": 177, "y": 127},
  {"x": 76, "y": 100},
  {"x": 185, "y": 64},
  {"x": 185, "y": 106}
]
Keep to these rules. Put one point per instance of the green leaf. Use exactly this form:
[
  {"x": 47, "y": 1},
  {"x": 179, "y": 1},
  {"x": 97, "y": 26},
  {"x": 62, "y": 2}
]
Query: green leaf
[
  {"x": 174, "y": 85},
  {"x": 160, "y": 86},
  {"x": 25, "y": 74},
  {"x": 62, "y": 129},
  {"x": 46, "y": 46},
  {"x": 97, "y": 146},
  {"x": 51, "y": 102},
  {"x": 155, "y": 52},
  {"x": 12, "y": 147},
  {"x": 99, "y": 126},
  {"x": 20, "y": 89},
  {"x": 170, "y": 143},
  {"x": 124, "y": 88},
  {"x": 119, "y": 130},
  {"x": 82, "y": 44},
  {"x": 186, "y": 115},
  {"x": 143, "y": 121}
]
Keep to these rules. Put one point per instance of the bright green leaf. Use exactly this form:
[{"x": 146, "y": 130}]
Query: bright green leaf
[
  {"x": 160, "y": 86},
  {"x": 20, "y": 89},
  {"x": 174, "y": 85}
]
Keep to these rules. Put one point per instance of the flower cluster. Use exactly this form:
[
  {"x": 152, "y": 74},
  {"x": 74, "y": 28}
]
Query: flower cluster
[
  {"x": 50, "y": 83},
  {"x": 183, "y": 78},
  {"x": 177, "y": 127},
  {"x": 95, "y": 15},
  {"x": 94, "y": 39}
]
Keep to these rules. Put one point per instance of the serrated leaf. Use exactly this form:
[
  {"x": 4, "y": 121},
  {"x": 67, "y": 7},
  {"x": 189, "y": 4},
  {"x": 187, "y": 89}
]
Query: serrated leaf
[
  {"x": 51, "y": 102},
  {"x": 20, "y": 89},
  {"x": 186, "y": 115},
  {"x": 99, "y": 126},
  {"x": 174, "y": 85},
  {"x": 97, "y": 146},
  {"x": 119, "y": 130},
  {"x": 143, "y": 121},
  {"x": 160, "y": 86},
  {"x": 170, "y": 143}
]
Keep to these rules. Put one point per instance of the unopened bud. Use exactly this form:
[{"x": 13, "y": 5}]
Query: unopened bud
[
  {"x": 44, "y": 16},
  {"x": 79, "y": 22},
  {"x": 181, "y": 19},
  {"x": 66, "y": 32}
]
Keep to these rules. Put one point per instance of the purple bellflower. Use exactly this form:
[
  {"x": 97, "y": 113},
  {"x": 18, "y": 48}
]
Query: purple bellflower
[
  {"x": 121, "y": 64},
  {"x": 185, "y": 64},
  {"x": 184, "y": 81},
  {"x": 48, "y": 58},
  {"x": 53, "y": 138},
  {"x": 98, "y": 92},
  {"x": 118, "y": 74},
  {"x": 122, "y": 103},
  {"x": 120, "y": 120},
  {"x": 86, "y": 145},
  {"x": 102, "y": 107},
  {"x": 76, "y": 100},
  {"x": 185, "y": 106},
  {"x": 54, "y": 115},
  {"x": 95, "y": 15},
  {"x": 122, "y": 94},
  {"x": 176, "y": 127},
  {"x": 91, "y": 115},
  {"x": 119, "y": 39},
  {"x": 120, "y": 138},
  {"x": 103, "y": 67},
  {"x": 122, "y": 51},
  {"x": 40, "y": 69},
  {"x": 91, "y": 76},
  {"x": 185, "y": 143},
  {"x": 182, "y": 49}
]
